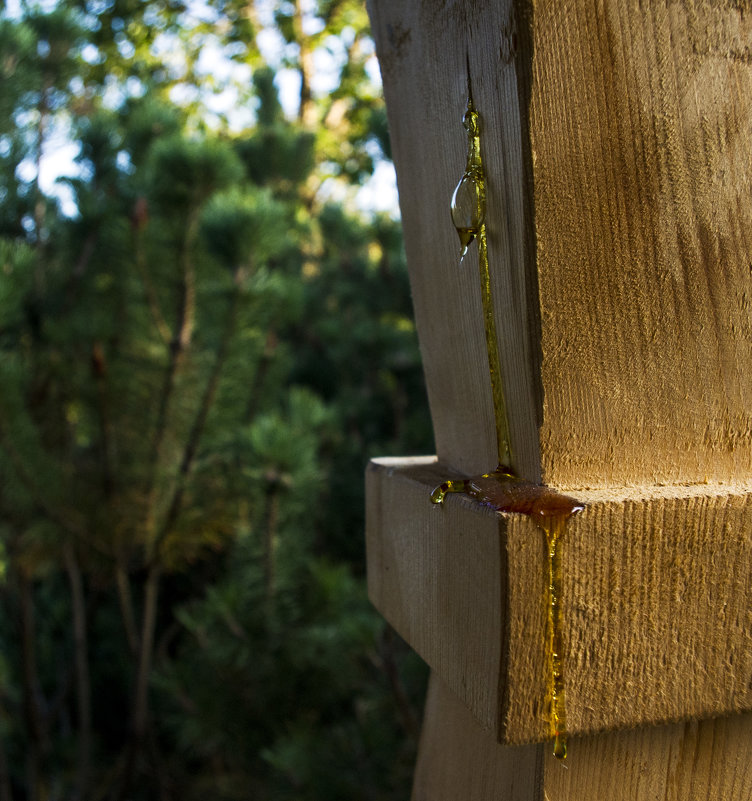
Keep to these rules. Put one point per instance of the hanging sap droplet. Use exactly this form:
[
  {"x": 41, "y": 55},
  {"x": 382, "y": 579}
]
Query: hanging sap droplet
[
  {"x": 468, "y": 209},
  {"x": 466, "y": 237},
  {"x": 438, "y": 495}
]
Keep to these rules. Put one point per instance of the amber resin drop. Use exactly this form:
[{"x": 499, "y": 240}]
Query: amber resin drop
[
  {"x": 468, "y": 209},
  {"x": 502, "y": 491}
]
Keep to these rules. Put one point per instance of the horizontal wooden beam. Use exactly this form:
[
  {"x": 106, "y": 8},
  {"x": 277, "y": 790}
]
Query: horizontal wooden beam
[{"x": 657, "y": 584}]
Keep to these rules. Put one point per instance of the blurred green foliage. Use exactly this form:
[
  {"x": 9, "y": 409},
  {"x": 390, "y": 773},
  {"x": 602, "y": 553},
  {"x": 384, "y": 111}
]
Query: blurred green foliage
[{"x": 196, "y": 363}]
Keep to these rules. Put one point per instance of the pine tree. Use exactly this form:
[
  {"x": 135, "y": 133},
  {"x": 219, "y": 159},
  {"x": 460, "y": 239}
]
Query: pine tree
[{"x": 195, "y": 367}]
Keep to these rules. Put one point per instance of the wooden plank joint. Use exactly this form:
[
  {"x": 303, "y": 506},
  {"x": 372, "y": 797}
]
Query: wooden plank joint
[{"x": 657, "y": 612}]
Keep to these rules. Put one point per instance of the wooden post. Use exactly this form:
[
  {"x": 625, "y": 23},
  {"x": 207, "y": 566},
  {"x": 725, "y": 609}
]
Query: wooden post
[{"x": 617, "y": 142}]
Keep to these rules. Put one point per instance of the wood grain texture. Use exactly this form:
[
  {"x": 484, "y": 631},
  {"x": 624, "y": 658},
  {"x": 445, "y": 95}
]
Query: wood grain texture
[
  {"x": 618, "y": 151},
  {"x": 657, "y": 613},
  {"x": 655, "y": 598},
  {"x": 458, "y": 761},
  {"x": 432, "y": 572},
  {"x": 422, "y": 49},
  {"x": 710, "y": 760},
  {"x": 641, "y": 126},
  {"x": 618, "y": 154}
]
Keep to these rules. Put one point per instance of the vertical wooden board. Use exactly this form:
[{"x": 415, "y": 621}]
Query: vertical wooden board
[
  {"x": 620, "y": 132},
  {"x": 423, "y": 48},
  {"x": 709, "y": 760},
  {"x": 435, "y": 573},
  {"x": 640, "y": 125},
  {"x": 458, "y": 761}
]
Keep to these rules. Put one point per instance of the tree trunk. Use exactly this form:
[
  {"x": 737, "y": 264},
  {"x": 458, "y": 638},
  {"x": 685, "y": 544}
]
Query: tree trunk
[{"x": 83, "y": 683}]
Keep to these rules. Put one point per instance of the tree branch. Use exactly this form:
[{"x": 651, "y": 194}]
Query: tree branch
[
  {"x": 64, "y": 518},
  {"x": 140, "y": 714},
  {"x": 6, "y": 792},
  {"x": 151, "y": 296},
  {"x": 306, "y": 69},
  {"x": 125, "y": 601},
  {"x": 99, "y": 370},
  {"x": 262, "y": 369},
  {"x": 271, "y": 514},
  {"x": 32, "y": 693},
  {"x": 199, "y": 423},
  {"x": 43, "y": 109},
  {"x": 180, "y": 342}
]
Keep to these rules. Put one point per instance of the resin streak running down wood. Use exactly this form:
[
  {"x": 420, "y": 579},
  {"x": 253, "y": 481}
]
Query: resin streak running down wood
[
  {"x": 419, "y": 50},
  {"x": 550, "y": 511},
  {"x": 656, "y": 616},
  {"x": 468, "y": 209}
]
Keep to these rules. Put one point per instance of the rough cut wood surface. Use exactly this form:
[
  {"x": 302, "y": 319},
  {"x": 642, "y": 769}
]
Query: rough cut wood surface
[
  {"x": 435, "y": 574},
  {"x": 617, "y": 141},
  {"x": 618, "y": 150},
  {"x": 657, "y": 618},
  {"x": 458, "y": 761},
  {"x": 709, "y": 760},
  {"x": 422, "y": 49},
  {"x": 641, "y": 126}
]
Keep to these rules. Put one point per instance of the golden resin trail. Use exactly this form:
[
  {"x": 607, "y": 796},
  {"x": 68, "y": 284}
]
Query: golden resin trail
[
  {"x": 554, "y": 528},
  {"x": 550, "y": 510},
  {"x": 501, "y": 489},
  {"x": 468, "y": 209}
]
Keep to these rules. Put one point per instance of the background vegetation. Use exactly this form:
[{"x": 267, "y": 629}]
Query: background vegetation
[{"x": 201, "y": 344}]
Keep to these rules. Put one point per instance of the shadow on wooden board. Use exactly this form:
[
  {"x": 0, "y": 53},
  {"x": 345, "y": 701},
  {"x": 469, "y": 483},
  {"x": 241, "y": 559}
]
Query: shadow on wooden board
[{"x": 708, "y": 760}]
